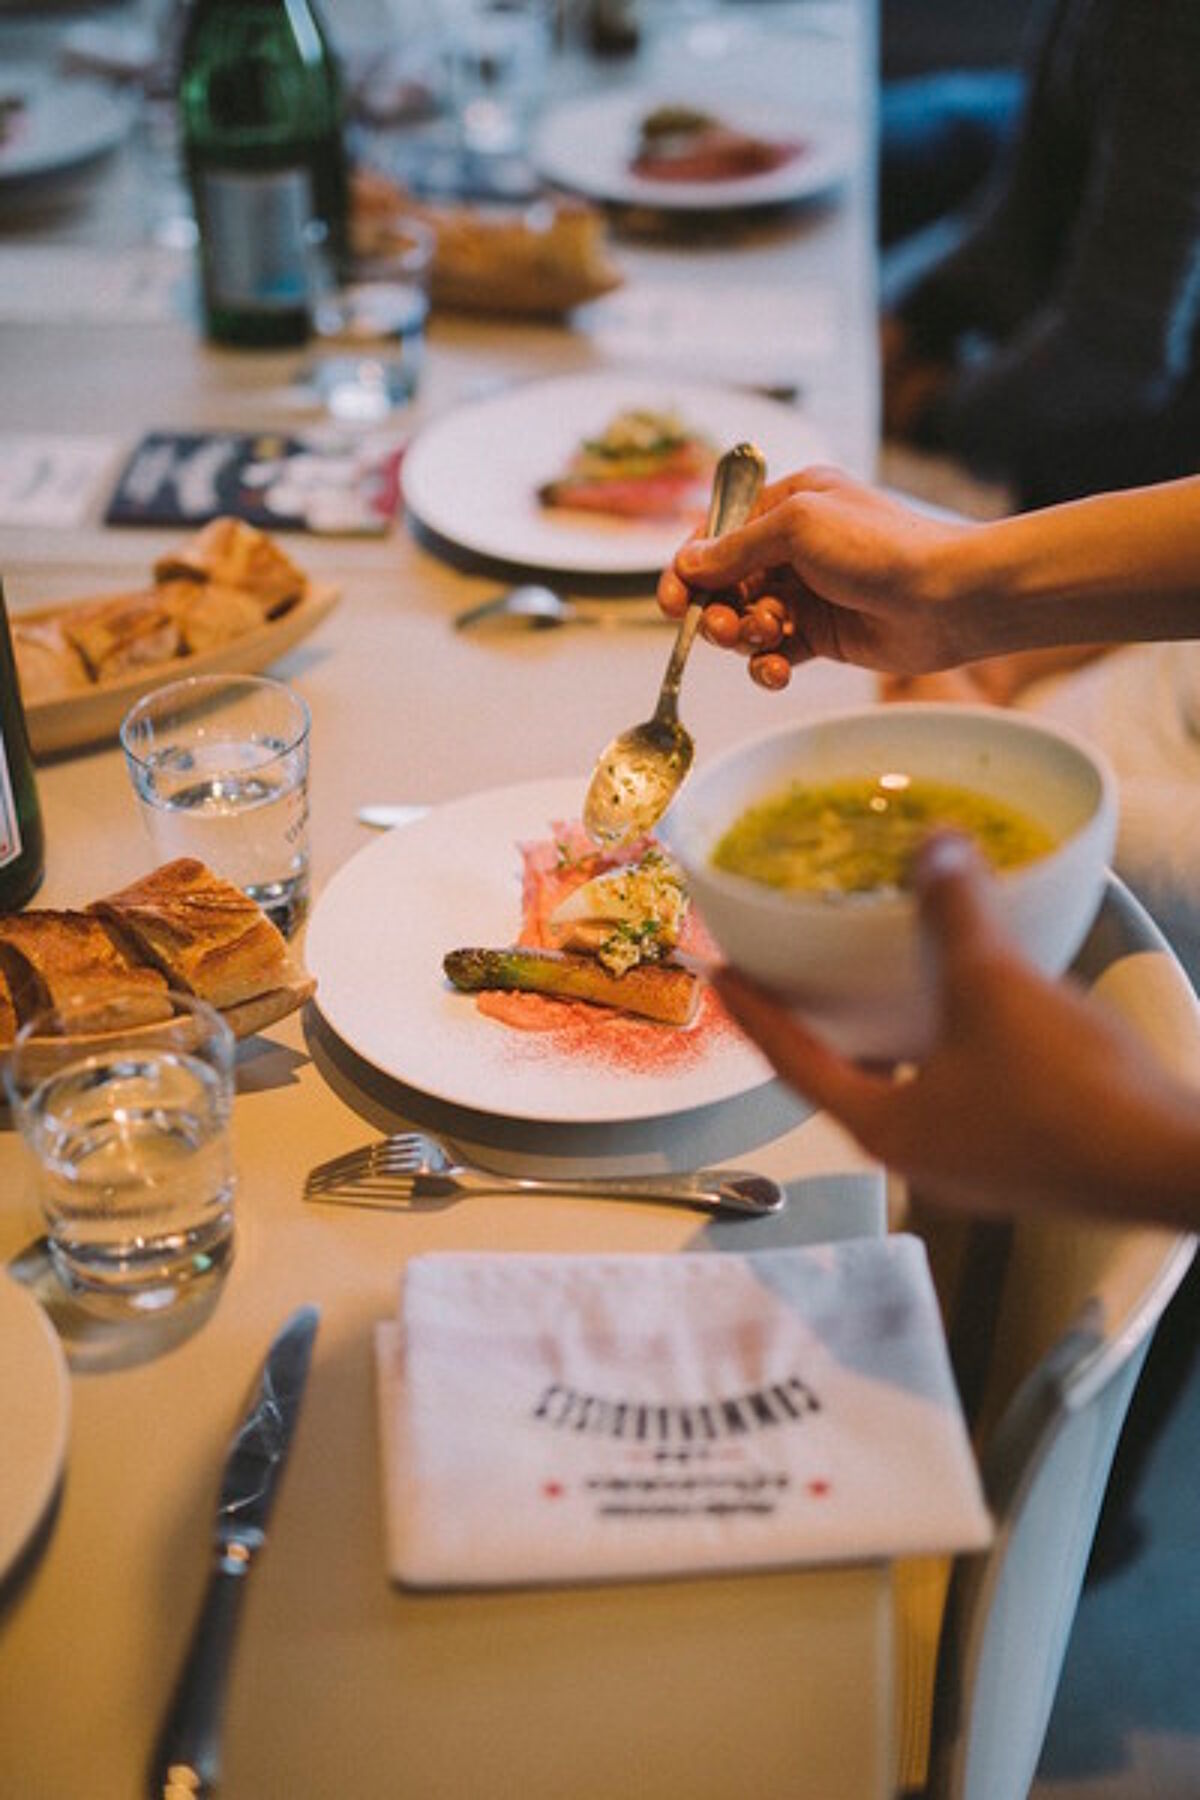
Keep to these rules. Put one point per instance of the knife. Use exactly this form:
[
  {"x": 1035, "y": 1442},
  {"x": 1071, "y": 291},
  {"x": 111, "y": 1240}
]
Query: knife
[{"x": 187, "y": 1758}]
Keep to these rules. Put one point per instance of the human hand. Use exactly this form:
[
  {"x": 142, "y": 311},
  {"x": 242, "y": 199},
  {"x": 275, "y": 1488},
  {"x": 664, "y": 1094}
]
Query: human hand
[
  {"x": 825, "y": 566},
  {"x": 1033, "y": 1095}
]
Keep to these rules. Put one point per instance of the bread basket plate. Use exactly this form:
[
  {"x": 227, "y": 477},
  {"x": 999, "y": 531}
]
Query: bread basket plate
[
  {"x": 90, "y": 714},
  {"x": 244, "y": 1019}
]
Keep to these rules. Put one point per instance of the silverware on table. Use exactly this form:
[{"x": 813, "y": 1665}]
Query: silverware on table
[
  {"x": 539, "y": 608},
  {"x": 529, "y": 602},
  {"x": 386, "y": 818},
  {"x": 639, "y": 773},
  {"x": 187, "y": 1757},
  {"x": 411, "y": 1169}
]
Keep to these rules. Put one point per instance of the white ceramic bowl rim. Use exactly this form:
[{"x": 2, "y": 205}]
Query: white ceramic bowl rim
[{"x": 1022, "y": 725}]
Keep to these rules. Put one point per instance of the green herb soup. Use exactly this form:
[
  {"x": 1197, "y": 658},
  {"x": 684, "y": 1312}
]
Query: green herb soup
[{"x": 859, "y": 835}]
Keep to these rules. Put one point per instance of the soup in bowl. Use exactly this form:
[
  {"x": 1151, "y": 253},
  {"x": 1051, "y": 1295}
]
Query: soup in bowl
[{"x": 798, "y": 845}]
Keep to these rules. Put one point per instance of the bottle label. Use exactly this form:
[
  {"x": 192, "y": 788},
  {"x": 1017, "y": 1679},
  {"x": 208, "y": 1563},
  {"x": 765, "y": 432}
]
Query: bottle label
[
  {"x": 10, "y": 827},
  {"x": 256, "y": 238}
]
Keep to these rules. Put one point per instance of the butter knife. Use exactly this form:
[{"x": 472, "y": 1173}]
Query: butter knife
[{"x": 187, "y": 1758}]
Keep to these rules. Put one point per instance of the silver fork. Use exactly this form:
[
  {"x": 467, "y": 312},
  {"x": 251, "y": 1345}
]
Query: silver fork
[{"x": 411, "y": 1169}]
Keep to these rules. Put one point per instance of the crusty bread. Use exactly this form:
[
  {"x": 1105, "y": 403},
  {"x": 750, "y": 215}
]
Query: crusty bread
[
  {"x": 203, "y": 933},
  {"x": 128, "y": 631},
  {"x": 234, "y": 554},
  {"x": 539, "y": 259},
  {"x": 56, "y": 958},
  {"x": 209, "y": 614},
  {"x": 48, "y": 664},
  {"x": 8, "y": 1011}
]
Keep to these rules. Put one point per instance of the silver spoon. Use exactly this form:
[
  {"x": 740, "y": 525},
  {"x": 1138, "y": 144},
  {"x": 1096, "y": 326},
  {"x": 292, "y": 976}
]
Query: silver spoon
[
  {"x": 530, "y": 604},
  {"x": 536, "y": 605},
  {"x": 639, "y": 774}
]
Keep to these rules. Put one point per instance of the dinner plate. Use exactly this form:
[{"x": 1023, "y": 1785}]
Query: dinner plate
[
  {"x": 59, "y": 128},
  {"x": 376, "y": 940},
  {"x": 588, "y": 145},
  {"x": 35, "y": 1404},
  {"x": 472, "y": 476},
  {"x": 86, "y": 715}
]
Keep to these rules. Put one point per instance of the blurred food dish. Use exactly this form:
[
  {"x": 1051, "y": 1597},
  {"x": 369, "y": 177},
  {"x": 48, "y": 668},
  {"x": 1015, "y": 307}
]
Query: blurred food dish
[
  {"x": 541, "y": 258},
  {"x": 475, "y": 476},
  {"x": 749, "y": 152},
  {"x": 228, "y": 599}
]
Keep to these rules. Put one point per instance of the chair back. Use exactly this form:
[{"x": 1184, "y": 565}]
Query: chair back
[{"x": 1073, "y": 1309}]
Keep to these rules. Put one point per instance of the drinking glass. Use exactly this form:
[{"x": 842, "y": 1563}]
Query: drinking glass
[
  {"x": 497, "y": 59},
  {"x": 127, "y": 1126},
  {"x": 219, "y": 764},
  {"x": 368, "y": 339}
]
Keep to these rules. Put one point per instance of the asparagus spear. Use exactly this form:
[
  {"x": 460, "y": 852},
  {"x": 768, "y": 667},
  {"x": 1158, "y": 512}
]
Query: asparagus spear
[{"x": 663, "y": 991}]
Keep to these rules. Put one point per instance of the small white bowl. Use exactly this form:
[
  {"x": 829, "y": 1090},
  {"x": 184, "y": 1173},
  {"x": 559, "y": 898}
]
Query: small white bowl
[{"x": 850, "y": 965}]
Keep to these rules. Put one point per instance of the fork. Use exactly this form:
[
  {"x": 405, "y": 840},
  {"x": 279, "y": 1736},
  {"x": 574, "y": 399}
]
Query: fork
[{"x": 411, "y": 1169}]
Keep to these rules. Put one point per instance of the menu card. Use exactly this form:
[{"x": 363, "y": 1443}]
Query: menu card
[{"x": 274, "y": 481}]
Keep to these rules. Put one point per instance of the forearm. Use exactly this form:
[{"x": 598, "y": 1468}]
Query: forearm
[
  {"x": 1145, "y": 1162},
  {"x": 1118, "y": 568}
]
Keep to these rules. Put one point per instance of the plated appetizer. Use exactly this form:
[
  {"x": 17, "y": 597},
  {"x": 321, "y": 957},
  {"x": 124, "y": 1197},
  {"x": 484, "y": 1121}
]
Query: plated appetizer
[
  {"x": 684, "y": 143},
  {"x": 603, "y": 936},
  {"x": 645, "y": 464}
]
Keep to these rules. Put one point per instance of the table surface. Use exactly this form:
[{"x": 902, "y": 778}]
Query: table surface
[{"x": 773, "y": 1684}]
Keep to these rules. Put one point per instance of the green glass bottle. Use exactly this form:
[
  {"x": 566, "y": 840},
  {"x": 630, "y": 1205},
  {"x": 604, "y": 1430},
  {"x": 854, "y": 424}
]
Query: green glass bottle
[
  {"x": 260, "y": 109},
  {"x": 22, "y": 839}
]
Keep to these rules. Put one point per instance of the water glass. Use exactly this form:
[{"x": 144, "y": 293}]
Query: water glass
[
  {"x": 127, "y": 1126},
  {"x": 497, "y": 59},
  {"x": 219, "y": 764},
  {"x": 369, "y": 327}
]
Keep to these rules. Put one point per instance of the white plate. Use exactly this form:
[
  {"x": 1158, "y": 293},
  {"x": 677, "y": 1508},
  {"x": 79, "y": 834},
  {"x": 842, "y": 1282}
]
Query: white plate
[
  {"x": 376, "y": 941},
  {"x": 473, "y": 475},
  {"x": 34, "y": 1413},
  {"x": 62, "y": 126},
  {"x": 588, "y": 146}
]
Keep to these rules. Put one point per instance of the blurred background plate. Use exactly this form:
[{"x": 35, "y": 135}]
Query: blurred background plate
[
  {"x": 54, "y": 130},
  {"x": 473, "y": 475},
  {"x": 588, "y": 144}
]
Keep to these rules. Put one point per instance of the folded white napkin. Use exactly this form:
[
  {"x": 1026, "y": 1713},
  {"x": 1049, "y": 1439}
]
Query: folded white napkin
[{"x": 550, "y": 1418}]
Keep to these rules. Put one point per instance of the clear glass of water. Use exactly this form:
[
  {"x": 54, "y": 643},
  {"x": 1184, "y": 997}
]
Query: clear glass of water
[
  {"x": 368, "y": 342},
  {"x": 498, "y": 55},
  {"x": 219, "y": 764},
  {"x": 127, "y": 1129}
]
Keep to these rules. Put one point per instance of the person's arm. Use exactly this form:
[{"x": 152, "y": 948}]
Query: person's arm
[
  {"x": 1035, "y": 1096},
  {"x": 830, "y": 567}
]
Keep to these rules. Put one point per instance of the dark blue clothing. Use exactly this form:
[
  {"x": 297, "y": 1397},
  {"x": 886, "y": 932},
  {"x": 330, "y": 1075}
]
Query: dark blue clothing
[{"x": 1078, "y": 273}]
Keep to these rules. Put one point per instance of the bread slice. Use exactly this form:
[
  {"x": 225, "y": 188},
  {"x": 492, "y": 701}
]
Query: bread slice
[
  {"x": 8, "y": 1012},
  {"x": 55, "y": 958},
  {"x": 210, "y": 614},
  {"x": 236, "y": 555},
  {"x": 48, "y": 664},
  {"x": 124, "y": 633},
  {"x": 202, "y": 932}
]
